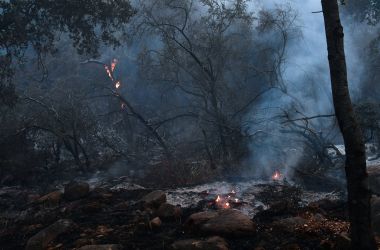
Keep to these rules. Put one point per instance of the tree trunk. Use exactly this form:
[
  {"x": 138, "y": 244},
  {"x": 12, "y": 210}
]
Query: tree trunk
[{"x": 357, "y": 179}]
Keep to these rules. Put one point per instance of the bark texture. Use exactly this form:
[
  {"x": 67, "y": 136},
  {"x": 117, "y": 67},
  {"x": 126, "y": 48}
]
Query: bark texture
[{"x": 359, "y": 194}]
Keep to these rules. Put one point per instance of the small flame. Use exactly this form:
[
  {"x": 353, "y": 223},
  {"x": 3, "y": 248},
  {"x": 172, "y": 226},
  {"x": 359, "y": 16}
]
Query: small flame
[
  {"x": 276, "y": 176},
  {"x": 218, "y": 199},
  {"x": 117, "y": 84},
  {"x": 109, "y": 72},
  {"x": 227, "y": 205},
  {"x": 113, "y": 64}
]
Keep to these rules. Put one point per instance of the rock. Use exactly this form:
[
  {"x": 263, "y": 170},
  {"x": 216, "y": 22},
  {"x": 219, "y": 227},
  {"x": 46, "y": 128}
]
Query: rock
[
  {"x": 213, "y": 243},
  {"x": 51, "y": 199},
  {"x": 41, "y": 240},
  {"x": 166, "y": 211},
  {"x": 76, "y": 190},
  {"x": 92, "y": 207},
  {"x": 122, "y": 206},
  {"x": 101, "y": 247},
  {"x": 154, "y": 199},
  {"x": 33, "y": 198},
  {"x": 156, "y": 222},
  {"x": 228, "y": 222},
  {"x": 197, "y": 219}
]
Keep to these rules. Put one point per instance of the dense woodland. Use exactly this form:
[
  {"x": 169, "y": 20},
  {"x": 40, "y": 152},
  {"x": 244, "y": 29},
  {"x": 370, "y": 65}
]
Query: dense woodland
[{"x": 171, "y": 94}]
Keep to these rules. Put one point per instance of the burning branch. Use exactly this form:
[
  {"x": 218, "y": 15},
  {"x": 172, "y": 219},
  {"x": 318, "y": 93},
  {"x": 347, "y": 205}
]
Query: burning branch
[{"x": 125, "y": 104}]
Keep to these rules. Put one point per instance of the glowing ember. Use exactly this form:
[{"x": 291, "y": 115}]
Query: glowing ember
[
  {"x": 109, "y": 72},
  {"x": 218, "y": 199},
  {"x": 117, "y": 84},
  {"x": 111, "y": 68},
  {"x": 113, "y": 64},
  {"x": 277, "y": 176},
  {"x": 227, "y": 205}
]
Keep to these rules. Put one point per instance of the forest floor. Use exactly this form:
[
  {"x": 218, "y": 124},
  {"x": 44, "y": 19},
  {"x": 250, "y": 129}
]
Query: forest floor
[{"x": 275, "y": 215}]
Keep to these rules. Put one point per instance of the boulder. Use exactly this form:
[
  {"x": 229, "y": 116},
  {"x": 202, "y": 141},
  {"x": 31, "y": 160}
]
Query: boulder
[
  {"x": 101, "y": 247},
  {"x": 227, "y": 222},
  {"x": 213, "y": 243},
  {"x": 166, "y": 211},
  {"x": 41, "y": 240},
  {"x": 92, "y": 207},
  {"x": 156, "y": 222},
  {"x": 197, "y": 219},
  {"x": 76, "y": 190},
  {"x": 52, "y": 199},
  {"x": 154, "y": 199}
]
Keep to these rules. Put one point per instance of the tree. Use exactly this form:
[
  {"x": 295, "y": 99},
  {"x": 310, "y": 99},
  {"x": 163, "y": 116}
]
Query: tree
[
  {"x": 39, "y": 24},
  {"x": 359, "y": 195},
  {"x": 218, "y": 81}
]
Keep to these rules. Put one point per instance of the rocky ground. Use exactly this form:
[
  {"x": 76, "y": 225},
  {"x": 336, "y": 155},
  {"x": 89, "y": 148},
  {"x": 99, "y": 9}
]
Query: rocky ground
[{"x": 133, "y": 217}]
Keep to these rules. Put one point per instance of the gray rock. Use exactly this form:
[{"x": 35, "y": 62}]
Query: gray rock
[
  {"x": 154, "y": 199},
  {"x": 227, "y": 222},
  {"x": 166, "y": 211},
  {"x": 53, "y": 198},
  {"x": 41, "y": 240},
  {"x": 197, "y": 219}
]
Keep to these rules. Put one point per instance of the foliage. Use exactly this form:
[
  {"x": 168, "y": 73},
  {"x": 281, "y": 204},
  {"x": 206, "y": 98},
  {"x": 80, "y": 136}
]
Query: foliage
[{"x": 39, "y": 25}]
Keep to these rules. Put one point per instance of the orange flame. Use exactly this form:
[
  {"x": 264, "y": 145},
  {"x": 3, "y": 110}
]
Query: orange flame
[
  {"x": 109, "y": 72},
  {"x": 113, "y": 64},
  {"x": 276, "y": 176}
]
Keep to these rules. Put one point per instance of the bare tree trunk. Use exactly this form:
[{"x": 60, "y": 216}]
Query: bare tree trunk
[{"x": 357, "y": 179}]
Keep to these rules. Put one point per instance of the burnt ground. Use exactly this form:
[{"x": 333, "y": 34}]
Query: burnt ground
[{"x": 108, "y": 216}]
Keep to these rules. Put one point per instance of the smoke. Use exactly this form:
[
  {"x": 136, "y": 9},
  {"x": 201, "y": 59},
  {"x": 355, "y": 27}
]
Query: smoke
[{"x": 308, "y": 91}]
